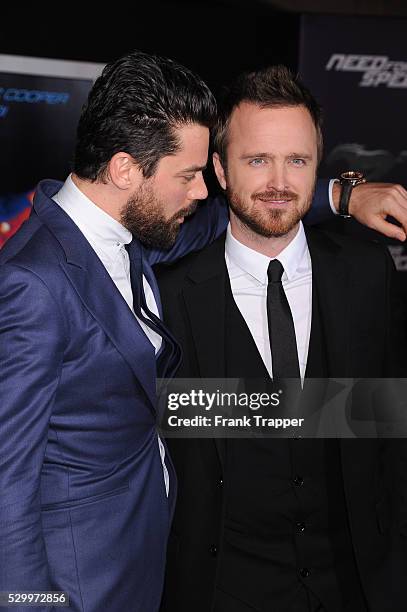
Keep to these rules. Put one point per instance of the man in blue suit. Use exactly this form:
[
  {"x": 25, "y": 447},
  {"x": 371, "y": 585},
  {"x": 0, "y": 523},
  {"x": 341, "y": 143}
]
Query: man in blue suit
[{"x": 87, "y": 488}]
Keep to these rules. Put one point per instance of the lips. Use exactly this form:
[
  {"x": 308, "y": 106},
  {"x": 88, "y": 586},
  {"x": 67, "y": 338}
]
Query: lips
[
  {"x": 186, "y": 212},
  {"x": 275, "y": 200}
]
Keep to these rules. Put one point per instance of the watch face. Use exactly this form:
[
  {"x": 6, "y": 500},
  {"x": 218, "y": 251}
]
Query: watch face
[{"x": 352, "y": 177}]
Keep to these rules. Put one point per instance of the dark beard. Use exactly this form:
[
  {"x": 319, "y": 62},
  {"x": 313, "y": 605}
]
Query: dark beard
[
  {"x": 143, "y": 216},
  {"x": 268, "y": 223}
]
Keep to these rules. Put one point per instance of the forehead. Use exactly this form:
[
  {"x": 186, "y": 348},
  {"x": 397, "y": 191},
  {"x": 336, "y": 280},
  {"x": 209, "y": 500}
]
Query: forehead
[
  {"x": 193, "y": 151},
  {"x": 265, "y": 129}
]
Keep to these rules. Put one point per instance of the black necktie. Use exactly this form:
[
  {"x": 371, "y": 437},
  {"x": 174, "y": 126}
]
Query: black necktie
[
  {"x": 281, "y": 326},
  {"x": 169, "y": 355}
]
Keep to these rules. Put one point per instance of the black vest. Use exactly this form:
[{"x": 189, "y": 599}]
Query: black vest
[{"x": 286, "y": 526}]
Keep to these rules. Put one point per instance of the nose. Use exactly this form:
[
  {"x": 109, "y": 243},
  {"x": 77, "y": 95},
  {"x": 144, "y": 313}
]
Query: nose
[
  {"x": 199, "y": 190},
  {"x": 277, "y": 177}
]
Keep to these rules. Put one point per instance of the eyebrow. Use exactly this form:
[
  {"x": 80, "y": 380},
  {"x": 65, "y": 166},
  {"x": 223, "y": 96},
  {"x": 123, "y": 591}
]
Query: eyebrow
[
  {"x": 193, "y": 169},
  {"x": 301, "y": 155},
  {"x": 269, "y": 155}
]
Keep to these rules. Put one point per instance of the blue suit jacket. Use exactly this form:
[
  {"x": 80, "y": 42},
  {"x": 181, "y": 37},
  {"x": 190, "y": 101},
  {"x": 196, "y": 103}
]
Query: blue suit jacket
[{"x": 83, "y": 507}]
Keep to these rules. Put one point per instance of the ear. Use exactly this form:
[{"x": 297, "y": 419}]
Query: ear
[
  {"x": 219, "y": 171},
  {"x": 123, "y": 171}
]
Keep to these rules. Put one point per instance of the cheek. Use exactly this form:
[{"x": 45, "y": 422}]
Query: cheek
[
  {"x": 178, "y": 193},
  {"x": 246, "y": 180},
  {"x": 175, "y": 197},
  {"x": 302, "y": 182}
]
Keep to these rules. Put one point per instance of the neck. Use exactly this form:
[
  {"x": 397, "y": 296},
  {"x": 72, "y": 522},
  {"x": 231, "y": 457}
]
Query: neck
[
  {"x": 269, "y": 246},
  {"x": 103, "y": 195}
]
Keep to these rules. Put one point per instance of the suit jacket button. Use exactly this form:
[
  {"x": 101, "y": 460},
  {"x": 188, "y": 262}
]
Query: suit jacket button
[
  {"x": 304, "y": 572},
  {"x": 298, "y": 481},
  {"x": 213, "y": 550},
  {"x": 300, "y": 527},
  {"x": 220, "y": 482}
]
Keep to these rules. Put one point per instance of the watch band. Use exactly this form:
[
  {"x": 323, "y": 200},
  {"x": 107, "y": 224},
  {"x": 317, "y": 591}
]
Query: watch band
[
  {"x": 346, "y": 191},
  {"x": 348, "y": 181}
]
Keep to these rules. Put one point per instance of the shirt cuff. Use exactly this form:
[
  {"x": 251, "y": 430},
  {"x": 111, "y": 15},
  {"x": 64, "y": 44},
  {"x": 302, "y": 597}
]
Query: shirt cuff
[{"x": 331, "y": 201}]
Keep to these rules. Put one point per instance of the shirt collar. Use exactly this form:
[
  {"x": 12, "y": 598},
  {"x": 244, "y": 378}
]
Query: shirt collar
[
  {"x": 94, "y": 223},
  {"x": 250, "y": 261}
]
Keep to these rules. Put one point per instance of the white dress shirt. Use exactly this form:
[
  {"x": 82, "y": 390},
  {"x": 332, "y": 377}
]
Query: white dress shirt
[
  {"x": 248, "y": 278},
  {"x": 331, "y": 196},
  {"x": 108, "y": 238}
]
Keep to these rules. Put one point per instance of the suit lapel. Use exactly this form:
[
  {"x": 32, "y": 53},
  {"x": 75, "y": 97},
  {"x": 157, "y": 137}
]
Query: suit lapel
[
  {"x": 204, "y": 298},
  {"x": 100, "y": 296},
  {"x": 331, "y": 287}
]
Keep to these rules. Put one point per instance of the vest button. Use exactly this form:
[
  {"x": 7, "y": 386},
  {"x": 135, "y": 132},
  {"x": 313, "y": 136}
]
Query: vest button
[
  {"x": 213, "y": 550},
  {"x": 304, "y": 572},
  {"x": 300, "y": 527},
  {"x": 298, "y": 481}
]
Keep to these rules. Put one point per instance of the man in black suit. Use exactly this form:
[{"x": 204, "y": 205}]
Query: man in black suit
[{"x": 294, "y": 525}]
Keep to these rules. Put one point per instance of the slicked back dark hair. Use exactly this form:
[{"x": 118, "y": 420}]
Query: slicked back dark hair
[
  {"x": 134, "y": 107},
  {"x": 271, "y": 87}
]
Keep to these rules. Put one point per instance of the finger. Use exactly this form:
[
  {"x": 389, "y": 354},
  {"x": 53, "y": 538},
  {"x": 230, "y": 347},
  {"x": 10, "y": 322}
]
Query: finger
[
  {"x": 389, "y": 229},
  {"x": 399, "y": 212},
  {"x": 403, "y": 193}
]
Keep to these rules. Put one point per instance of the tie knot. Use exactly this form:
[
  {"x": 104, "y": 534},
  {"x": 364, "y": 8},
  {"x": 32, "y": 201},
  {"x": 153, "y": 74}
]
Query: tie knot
[{"x": 275, "y": 271}]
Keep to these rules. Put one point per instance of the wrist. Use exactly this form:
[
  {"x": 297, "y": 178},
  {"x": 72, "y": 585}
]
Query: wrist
[{"x": 348, "y": 182}]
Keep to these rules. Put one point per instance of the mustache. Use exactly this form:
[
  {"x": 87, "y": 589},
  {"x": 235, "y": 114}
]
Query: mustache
[
  {"x": 273, "y": 194},
  {"x": 187, "y": 211}
]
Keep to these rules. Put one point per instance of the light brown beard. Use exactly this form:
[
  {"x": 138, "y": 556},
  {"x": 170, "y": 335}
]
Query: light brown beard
[
  {"x": 269, "y": 223},
  {"x": 143, "y": 215}
]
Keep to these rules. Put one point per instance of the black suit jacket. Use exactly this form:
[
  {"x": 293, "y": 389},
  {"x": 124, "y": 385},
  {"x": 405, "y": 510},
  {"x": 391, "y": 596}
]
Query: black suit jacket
[{"x": 363, "y": 322}]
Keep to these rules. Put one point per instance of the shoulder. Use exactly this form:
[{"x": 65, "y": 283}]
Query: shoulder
[
  {"x": 32, "y": 247},
  {"x": 353, "y": 249},
  {"x": 172, "y": 276},
  {"x": 169, "y": 273},
  {"x": 30, "y": 277}
]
